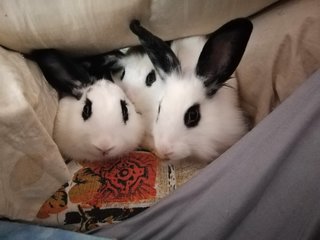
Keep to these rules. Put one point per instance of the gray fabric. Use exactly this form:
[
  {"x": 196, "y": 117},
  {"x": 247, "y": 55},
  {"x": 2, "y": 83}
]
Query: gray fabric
[{"x": 264, "y": 187}]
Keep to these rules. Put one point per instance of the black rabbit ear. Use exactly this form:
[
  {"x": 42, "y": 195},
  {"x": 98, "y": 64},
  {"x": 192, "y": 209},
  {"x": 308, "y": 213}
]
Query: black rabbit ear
[
  {"x": 62, "y": 73},
  {"x": 159, "y": 52},
  {"x": 222, "y": 53}
]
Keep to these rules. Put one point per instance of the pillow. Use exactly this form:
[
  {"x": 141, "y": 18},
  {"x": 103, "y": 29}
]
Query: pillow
[{"x": 96, "y": 26}]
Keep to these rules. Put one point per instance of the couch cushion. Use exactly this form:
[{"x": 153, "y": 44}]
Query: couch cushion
[
  {"x": 112, "y": 191},
  {"x": 100, "y": 25}
]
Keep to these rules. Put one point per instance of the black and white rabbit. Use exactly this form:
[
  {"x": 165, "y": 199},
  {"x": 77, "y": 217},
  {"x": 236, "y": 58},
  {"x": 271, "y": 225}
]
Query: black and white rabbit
[
  {"x": 198, "y": 114},
  {"x": 143, "y": 86},
  {"x": 133, "y": 71},
  {"x": 95, "y": 119}
]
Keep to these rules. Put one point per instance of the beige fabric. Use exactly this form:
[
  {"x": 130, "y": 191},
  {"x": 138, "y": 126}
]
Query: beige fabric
[
  {"x": 31, "y": 167},
  {"x": 93, "y": 26},
  {"x": 284, "y": 50}
]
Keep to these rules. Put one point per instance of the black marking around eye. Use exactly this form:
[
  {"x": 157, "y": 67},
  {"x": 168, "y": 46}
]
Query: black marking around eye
[
  {"x": 192, "y": 116},
  {"x": 151, "y": 78},
  {"x": 87, "y": 110},
  {"x": 124, "y": 109}
]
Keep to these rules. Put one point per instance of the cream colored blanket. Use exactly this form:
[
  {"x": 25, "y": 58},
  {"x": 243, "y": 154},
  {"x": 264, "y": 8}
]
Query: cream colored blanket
[{"x": 31, "y": 167}]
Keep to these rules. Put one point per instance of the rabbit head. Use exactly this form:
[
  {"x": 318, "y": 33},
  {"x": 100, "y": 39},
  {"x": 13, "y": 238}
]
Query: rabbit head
[
  {"x": 95, "y": 119},
  {"x": 198, "y": 114}
]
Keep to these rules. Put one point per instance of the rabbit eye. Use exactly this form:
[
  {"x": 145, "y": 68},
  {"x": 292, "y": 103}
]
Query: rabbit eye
[
  {"x": 124, "y": 109},
  {"x": 87, "y": 109},
  {"x": 151, "y": 78},
  {"x": 192, "y": 116}
]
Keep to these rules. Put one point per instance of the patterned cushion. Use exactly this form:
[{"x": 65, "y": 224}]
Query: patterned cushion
[{"x": 112, "y": 191}]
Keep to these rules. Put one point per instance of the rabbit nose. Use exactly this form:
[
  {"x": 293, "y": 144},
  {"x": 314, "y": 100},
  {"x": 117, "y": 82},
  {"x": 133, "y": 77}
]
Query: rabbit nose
[
  {"x": 104, "y": 151},
  {"x": 164, "y": 151}
]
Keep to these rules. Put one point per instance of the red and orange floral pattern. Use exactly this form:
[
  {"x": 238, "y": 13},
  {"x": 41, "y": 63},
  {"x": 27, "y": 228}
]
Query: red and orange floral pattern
[
  {"x": 97, "y": 186},
  {"x": 127, "y": 179}
]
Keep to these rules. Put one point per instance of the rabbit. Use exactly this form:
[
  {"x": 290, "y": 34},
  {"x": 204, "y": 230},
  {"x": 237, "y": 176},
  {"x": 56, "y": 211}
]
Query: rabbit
[
  {"x": 95, "y": 119},
  {"x": 198, "y": 114},
  {"x": 143, "y": 86},
  {"x": 135, "y": 74},
  {"x": 132, "y": 70}
]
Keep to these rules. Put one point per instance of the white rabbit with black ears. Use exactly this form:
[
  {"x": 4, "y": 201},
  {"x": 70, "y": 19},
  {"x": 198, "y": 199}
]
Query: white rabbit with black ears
[
  {"x": 95, "y": 119},
  {"x": 198, "y": 114}
]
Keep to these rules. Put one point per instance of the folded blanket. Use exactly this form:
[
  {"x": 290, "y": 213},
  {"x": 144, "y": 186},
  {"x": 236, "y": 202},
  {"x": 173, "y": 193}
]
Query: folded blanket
[{"x": 31, "y": 167}]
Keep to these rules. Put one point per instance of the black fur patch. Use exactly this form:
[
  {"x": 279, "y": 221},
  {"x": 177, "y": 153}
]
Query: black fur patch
[
  {"x": 87, "y": 110},
  {"x": 192, "y": 116},
  {"x": 122, "y": 75},
  {"x": 124, "y": 109},
  {"x": 151, "y": 78},
  {"x": 159, "y": 52},
  {"x": 62, "y": 73},
  {"x": 101, "y": 65}
]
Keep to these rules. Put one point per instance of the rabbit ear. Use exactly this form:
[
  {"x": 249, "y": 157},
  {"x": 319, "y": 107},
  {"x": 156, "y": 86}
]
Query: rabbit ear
[
  {"x": 159, "y": 52},
  {"x": 102, "y": 65},
  {"x": 67, "y": 77},
  {"x": 222, "y": 53}
]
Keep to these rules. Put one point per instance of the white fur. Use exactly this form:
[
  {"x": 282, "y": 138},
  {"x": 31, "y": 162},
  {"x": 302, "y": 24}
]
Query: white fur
[
  {"x": 220, "y": 126},
  {"x": 145, "y": 99},
  {"x": 104, "y": 130}
]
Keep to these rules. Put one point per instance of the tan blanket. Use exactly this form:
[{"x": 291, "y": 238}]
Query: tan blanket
[{"x": 283, "y": 51}]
